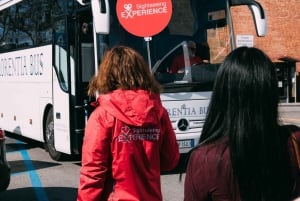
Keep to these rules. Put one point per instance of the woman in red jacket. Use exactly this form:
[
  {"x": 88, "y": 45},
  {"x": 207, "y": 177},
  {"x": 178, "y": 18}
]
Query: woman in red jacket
[
  {"x": 244, "y": 154},
  {"x": 128, "y": 138}
]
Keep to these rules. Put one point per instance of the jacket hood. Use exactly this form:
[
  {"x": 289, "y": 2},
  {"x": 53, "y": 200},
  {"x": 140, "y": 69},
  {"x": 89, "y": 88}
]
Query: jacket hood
[{"x": 133, "y": 107}]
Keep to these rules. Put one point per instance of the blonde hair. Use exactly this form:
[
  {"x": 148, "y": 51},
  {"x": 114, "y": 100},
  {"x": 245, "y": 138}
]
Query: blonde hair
[{"x": 123, "y": 68}]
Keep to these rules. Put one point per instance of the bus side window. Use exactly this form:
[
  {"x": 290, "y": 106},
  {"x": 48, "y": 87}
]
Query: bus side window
[
  {"x": 87, "y": 61},
  {"x": 60, "y": 55}
]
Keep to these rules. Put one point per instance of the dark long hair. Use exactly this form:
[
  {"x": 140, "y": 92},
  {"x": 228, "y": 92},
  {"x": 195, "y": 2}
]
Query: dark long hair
[{"x": 244, "y": 107}]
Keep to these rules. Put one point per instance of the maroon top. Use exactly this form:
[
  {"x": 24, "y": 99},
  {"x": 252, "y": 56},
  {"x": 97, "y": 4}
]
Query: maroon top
[{"x": 209, "y": 175}]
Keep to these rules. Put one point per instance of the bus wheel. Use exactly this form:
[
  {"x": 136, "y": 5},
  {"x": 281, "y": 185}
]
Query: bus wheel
[{"x": 49, "y": 137}]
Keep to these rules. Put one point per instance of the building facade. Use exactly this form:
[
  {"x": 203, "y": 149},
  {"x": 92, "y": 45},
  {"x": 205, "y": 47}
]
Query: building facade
[
  {"x": 282, "y": 41},
  {"x": 283, "y": 24}
]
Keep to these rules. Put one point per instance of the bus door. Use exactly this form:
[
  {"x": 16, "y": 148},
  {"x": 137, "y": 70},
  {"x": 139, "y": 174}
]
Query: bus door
[
  {"x": 85, "y": 44},
  {"x": 74, "y": 67},
  {"x": 58, "y": 141},
  {"x": 84, "y": 65}
]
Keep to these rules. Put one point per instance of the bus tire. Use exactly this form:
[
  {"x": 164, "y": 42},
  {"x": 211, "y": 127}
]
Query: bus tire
[{"x": 49, "y": 137}]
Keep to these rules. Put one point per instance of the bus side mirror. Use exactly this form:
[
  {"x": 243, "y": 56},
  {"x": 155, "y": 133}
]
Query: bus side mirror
[
  {"x": 100, "y": 9},
  {"x": 259, "y": 18},
  {"x": 84, "y": 2},
  {"x": 258, "y": 13}
]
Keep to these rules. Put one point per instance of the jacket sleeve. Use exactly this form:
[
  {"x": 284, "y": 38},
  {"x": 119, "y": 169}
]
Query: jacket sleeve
[
  {"x": 169, "y": 150},
  {"x": 95, "y": 159}
]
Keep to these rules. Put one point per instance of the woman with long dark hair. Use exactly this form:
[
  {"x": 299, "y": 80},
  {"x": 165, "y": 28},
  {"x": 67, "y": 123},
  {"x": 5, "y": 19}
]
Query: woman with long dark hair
[{"x": 243, "y": 152}]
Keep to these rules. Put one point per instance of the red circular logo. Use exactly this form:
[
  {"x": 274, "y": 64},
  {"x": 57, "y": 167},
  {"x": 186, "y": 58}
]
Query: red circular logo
[{"x": 144, "y": 17}]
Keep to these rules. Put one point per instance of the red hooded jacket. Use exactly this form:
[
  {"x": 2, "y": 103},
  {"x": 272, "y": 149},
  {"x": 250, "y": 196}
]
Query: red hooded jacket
[{"x": 128, "y": 140}]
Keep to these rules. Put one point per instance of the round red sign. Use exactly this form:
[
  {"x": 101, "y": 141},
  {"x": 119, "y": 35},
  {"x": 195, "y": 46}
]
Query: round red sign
[{"x": 144, "y": 17}]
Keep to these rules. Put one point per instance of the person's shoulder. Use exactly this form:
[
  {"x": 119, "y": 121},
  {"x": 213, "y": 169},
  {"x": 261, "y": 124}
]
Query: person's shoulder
[
  {"x": 220, "y": 146},
  {"x": 101, "y": 116},
  {"x": 291, "y": 129},
  {"x": 295, "y": 132},
  {"x": 211, "y": 155}
]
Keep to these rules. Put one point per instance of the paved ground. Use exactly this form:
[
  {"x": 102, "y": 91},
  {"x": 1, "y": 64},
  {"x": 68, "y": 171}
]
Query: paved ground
[{"x": 290, "y": 113}]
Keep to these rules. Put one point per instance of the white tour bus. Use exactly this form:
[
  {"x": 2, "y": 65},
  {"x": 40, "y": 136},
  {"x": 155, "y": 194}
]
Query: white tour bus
[{"x": 49, "y": 50}]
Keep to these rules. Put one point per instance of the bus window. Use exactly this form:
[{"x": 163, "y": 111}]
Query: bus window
[
  {"x": 87, "y": 58},
  {"x": 61, "y": 53},
  {"x": 25, "y": 25},
  {"x": 192, "y": 70}
]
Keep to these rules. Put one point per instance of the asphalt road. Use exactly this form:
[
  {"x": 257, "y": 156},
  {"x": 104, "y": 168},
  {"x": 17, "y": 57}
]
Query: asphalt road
[
  {"x": 36, "y": 177},
  {"x": 290, "y": 113}
]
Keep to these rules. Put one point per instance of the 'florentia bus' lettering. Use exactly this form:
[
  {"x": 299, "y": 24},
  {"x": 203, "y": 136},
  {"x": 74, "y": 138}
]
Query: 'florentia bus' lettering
[
  {"x": 186, "y": 111},
  {"x": 31, "y": 65}
]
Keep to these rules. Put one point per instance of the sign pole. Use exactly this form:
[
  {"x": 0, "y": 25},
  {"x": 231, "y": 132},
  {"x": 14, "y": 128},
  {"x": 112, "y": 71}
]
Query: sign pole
[{"x": 148, "y": 39}]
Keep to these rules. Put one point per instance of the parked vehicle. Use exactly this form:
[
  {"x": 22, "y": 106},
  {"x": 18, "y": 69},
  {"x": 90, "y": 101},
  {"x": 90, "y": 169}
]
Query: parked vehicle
[{"x": 4, "y": 166}]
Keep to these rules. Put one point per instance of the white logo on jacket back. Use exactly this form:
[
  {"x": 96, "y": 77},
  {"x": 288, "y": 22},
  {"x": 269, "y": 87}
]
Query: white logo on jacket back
[{"x": 128, "y": 134}]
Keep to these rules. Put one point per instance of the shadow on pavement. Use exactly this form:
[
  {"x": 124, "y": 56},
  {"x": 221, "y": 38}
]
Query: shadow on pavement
[
  {"x": 11, "y": 147},
  {"x": 18, "y": 166},
  {"x": 30, "y": 194},
  {"x": 27, "y": 142}
]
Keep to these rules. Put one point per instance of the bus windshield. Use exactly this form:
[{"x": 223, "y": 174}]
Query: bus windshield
[
  {"x": 185, "y": 56},
  {"x": 189, "y": 49}
]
